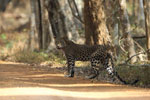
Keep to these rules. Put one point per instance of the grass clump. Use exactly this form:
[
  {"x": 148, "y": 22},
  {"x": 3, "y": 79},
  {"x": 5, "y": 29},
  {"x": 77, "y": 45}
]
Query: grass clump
[
  {"x": 37, "y": 57},
  {"x": 29, "y": 57}
]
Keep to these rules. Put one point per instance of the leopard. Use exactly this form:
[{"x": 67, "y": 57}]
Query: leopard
[{"x": 98, "y": 55}]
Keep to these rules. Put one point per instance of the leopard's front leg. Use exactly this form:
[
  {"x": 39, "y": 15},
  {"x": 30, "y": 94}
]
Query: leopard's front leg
[{"x": 70, "y": 66}]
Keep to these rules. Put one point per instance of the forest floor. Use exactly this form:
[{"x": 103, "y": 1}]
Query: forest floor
[{"x": 26, "y": 82}]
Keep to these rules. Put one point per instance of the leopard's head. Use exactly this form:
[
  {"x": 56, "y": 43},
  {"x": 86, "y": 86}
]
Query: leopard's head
[{"x": 62, "y": 42}]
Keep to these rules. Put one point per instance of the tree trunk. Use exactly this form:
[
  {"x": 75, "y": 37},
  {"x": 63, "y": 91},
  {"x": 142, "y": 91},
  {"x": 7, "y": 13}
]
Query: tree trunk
[
  {"x": 44, "y": 24},
  {"x": 39, "y": 26},
  {"x": 62, "y": 25},
  {"x": 96, "y": 31},
  {"x": 33, "y": 36},
  {"x": 3, "y": 5},
  {"x": 141, "y": 14},
  {"x": 56, "y": 18},
  {"x": 147, "y": 24},
  {"x": 129, "y": 43},
  {"x": 111, "y": 8},
  {"x": 74, "y": 22},
  {"x": 88, "y": 21}
]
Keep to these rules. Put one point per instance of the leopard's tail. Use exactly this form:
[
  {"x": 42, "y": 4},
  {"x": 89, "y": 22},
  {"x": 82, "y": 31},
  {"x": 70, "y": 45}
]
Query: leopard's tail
[{"x": 125, "y": 82}]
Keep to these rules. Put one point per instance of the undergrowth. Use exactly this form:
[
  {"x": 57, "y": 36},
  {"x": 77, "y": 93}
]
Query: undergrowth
[
  {"x": 132, "y": 73},
  {"x": 38, "y": 57}
]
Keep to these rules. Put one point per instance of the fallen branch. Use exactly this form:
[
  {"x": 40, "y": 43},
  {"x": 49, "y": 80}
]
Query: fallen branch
[
  {"x": 139, "y": 45},
  {"x": 122, "y": 47},
  {"x": 136, "y": 55},
  {"x": 138, "y": 37}
]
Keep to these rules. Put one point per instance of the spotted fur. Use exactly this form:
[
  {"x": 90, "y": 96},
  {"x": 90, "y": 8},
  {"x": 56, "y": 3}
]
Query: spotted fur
[{"x": 96, "y": 54}]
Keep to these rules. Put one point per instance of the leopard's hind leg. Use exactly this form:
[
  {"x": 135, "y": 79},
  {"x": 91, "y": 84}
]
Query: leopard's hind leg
[{"x": 94, "y": 71}]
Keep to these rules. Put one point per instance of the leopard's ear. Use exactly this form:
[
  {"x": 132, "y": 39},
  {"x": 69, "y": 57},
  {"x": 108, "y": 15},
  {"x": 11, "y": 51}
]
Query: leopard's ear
[{"x": 67, "y": 41}]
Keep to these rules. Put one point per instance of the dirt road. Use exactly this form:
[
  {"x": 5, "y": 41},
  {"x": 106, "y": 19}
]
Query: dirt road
[{"x": 23, "y": 82}]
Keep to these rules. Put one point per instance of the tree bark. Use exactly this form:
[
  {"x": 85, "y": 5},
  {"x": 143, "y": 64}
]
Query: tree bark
[
  {"x": 147, "y": 24},
  {"x": 33, "y": 36},
  {"x": 112, "y": 21},
  {"x": 56, "y": 18},
  {"x": 141, "y": 14},
  {"x": 88, "y": 21},
  {"x": 72, "y": 24},
  {"x": 129, "y": 43},
  {"x": 96, "y": 31},
  {"x": 44, "y": 24},
  {"x": 3, "y": 5},
  {"x": 39, "y": 26}
]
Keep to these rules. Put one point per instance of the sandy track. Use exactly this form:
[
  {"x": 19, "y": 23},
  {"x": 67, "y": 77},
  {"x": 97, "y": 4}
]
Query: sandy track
[{"x": 23, "y": 82}]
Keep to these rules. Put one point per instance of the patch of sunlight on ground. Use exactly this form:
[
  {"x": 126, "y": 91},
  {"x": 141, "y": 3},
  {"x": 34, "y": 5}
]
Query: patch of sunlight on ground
[
  {"x": 8, "y": 62},
  {"x": 42, "y": 75},
  {"x": 75, "y": 85},
  {"x": 48, "y": 91}
]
